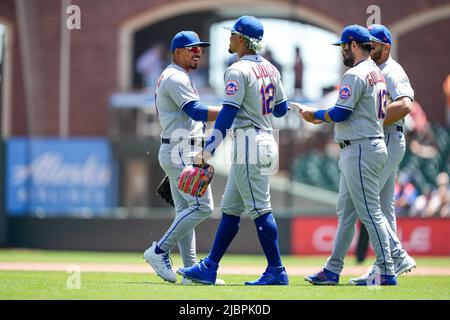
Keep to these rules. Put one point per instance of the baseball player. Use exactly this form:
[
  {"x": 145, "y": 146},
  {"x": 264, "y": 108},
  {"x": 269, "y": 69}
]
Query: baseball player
[
  {"x": 358, "y": 116},
  {"x": 179, "y": 108},
  {"x": 253, "y": 91},
  {"x": 400, "y": 95}
]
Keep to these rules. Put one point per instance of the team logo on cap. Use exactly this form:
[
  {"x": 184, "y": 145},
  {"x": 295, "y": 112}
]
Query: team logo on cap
[
  {"x": 231, "y": 87},
  {"x": 345, "y": 92}
]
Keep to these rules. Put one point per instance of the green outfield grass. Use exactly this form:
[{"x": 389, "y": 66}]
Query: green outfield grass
[
  {"x": 53, "y": 285},
  {"x": 25, "y": 255}
]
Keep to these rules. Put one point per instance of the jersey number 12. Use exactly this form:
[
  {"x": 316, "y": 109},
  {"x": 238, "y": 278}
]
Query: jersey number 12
[{"x": 267, "y": 93}]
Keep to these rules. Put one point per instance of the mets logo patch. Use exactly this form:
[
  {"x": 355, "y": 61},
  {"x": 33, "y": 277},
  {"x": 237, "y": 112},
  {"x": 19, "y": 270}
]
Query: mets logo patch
[
  {"x": 231, "y": 87},
  {"x": 345, "y": 92}
]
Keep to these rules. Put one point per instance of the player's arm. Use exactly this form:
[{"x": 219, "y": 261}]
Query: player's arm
[
  {"x": 280, "y": 109},
  {"x": 234, "y": 95},
  {"x": 399, "y": 88},
  {"x": 333, "y": 114},
  {"x": 349, "y": 92},
  {"x": 281, "y": 105},
  {"x": 223, "y": 123},
  {"x": 199, "y": 112},
  {"x": 397, "y": 110},
  {"x": 213, "y": 112}
]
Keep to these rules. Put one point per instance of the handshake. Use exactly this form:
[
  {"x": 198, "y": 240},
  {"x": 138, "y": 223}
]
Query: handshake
[{"x": 305, "y": 111}]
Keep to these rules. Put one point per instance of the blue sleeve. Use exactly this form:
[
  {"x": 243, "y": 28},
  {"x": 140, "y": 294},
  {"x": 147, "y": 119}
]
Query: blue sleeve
[
  {"x": 223, "y": 123},
  {"x": 335, "y": 113},
  {"x": 196, "y": 110},
  {"x": 280, "y": 109}
]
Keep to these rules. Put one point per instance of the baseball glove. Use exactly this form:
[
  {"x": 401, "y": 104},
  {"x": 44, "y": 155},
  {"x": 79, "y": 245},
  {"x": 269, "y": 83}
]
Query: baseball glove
[
  {"x": 164, "y": 192},
  {"x": 195, "y": 179}
]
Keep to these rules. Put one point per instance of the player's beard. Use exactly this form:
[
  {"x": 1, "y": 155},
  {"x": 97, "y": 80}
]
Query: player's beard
[
  {"x": 231, "y": 50},
  {"x": 194, "y": 64},
  {"x": 348, "y": 58}
]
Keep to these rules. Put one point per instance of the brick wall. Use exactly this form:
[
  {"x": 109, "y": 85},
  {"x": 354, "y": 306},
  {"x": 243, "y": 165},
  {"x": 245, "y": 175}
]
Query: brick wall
[
  {"x": 424, "y": 54},
  {"x": 94, "y": 57}
]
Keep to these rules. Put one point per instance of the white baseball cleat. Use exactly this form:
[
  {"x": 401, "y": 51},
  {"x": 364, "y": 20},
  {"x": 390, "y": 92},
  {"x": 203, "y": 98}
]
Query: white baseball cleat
[
  {"x": 186, "y": 281},
  {"x": 160, "y": 263},
  {"x": 360, "y": 280},
  {"x": 401, "y": 266},
  {"x": 405, "y": 265}
]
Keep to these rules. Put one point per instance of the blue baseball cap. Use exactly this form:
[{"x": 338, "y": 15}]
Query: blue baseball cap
[
  {"x": 185, "y": 39},
  {"x": 248, "y": 26},
  {"x": 380, "y": 32},
  {"x": 355, "y": 33}
]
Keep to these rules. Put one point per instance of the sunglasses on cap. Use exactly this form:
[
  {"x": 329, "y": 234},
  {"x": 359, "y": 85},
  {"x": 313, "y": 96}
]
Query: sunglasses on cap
[{"x": 195, "y": 49}]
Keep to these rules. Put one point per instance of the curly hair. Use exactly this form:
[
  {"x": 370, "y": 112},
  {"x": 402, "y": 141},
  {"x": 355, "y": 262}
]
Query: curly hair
[{"x": 252, "y": 43}]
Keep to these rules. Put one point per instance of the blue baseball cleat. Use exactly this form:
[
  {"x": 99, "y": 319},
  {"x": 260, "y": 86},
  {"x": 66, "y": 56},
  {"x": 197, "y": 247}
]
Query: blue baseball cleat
[
  {"x": 204, "y": 272},
  {"x": 273, "y": 276},
  {"x": 378, "y": 280},
  {"x": 323, "y": 277}
]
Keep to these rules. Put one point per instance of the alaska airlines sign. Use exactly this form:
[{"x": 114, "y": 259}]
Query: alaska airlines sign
[{"x": 59, "y": 176}]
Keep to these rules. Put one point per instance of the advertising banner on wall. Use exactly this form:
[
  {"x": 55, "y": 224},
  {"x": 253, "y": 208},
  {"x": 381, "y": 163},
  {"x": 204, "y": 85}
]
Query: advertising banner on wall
[
  {"x": 314, "y": 236},
  {"x": 51, "y": 176}
]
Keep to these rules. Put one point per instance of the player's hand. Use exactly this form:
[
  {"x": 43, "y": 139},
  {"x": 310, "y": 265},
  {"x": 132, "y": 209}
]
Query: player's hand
[
  {"x": 295, "y": 106},
  {"x": 308, "y": 114},
  {"x": 316, "y": 121}
]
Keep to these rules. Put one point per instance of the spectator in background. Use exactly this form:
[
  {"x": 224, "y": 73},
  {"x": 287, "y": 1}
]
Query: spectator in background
[
  {"x": 446, "y": 90},
  {"x": 268, "y": 55},
  {"x": 419, "y": 209},
  {"x": 405, "y": 194},
  {"x": 439, "y": 205},
  {"x": 298, "y": 72},
  {"x": 151, "y": 63},
  {"x": 423, "y": 142},
  {"x": 329, "y": 96}
]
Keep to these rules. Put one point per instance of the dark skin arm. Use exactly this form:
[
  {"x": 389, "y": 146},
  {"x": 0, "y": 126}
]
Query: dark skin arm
[{"x": 213, "y": 112}]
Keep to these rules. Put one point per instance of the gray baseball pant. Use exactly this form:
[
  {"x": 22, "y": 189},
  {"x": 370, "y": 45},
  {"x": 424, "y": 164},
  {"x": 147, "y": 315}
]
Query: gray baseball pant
[
  {"x": 189, "y": 210},
  {"x": 360, "y": 165}
]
